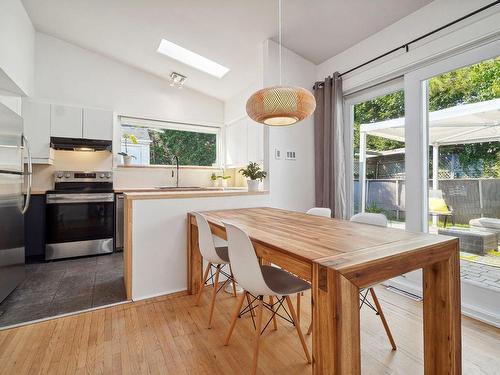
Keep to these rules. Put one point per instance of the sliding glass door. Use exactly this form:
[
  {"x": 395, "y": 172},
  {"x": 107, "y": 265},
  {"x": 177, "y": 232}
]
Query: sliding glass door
[
  {"x": 378, "y": 166},
  {"x": 453, "y": 167}
]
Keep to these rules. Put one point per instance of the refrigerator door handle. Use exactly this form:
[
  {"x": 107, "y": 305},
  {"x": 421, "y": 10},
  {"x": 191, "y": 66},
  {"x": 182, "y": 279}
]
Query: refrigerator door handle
[{"x": 30, "y": 176}]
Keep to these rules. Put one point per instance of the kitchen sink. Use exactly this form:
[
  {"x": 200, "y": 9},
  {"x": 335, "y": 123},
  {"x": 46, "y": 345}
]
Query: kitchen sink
[{"x": 180, "y": 188}]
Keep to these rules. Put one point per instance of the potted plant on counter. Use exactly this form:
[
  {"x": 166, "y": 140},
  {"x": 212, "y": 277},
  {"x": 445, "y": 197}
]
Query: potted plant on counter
[
  {"x": 223, "y": 179},
  {"x": 254, "y": 175},
  {"x": 127, "y": 159}
]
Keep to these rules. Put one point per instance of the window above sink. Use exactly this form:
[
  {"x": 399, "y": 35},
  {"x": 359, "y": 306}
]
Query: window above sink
[{"x": 154, "y": 143}]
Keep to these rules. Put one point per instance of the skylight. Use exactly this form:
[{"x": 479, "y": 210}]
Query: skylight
[{"x": 191, "y": 58}]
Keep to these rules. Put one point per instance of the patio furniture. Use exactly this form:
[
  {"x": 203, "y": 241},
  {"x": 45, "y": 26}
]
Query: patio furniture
[
  {"x": 438, "y": 206},
  {"x": 488, "y": 224},
  {"x": 472, "y": 241}
]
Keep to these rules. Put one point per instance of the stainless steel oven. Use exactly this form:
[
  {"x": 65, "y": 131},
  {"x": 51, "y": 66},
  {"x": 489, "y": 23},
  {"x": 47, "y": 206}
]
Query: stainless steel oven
[{"x": 80, "y": 215}]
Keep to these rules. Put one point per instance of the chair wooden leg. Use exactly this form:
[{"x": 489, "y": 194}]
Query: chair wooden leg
[
  {"x": 214, "y": 294},
  {"x": 382, "y": 318},
  {"x": 299, "y": 330},
  {"x": 310, "y": 329},
  {"x": 202, "y": 286},
  {"x": 233, "y": 281},
  {"x": 298, "y": 307},
  {"x": 271, "y": 302},
  {"x": 257, "y": 335},
  {"x": 236, "y": 312},
  {"x": 249, "y": 300}
]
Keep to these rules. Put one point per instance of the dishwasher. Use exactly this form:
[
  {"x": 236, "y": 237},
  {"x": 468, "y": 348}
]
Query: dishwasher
[{"x": 119, "y": 222}]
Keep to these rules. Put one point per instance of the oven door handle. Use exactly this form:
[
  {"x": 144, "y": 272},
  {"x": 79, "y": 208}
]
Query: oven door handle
[{"x": 80, "y": 198}]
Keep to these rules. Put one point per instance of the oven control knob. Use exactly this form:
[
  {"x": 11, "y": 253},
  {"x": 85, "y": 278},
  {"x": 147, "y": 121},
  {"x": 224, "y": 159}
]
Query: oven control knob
[
  {"x": 67, "y": 175},
  {"x": 108, "y": 175},
  {"x": 60, "y": 175},
  {"x": 102, "y": 175}
]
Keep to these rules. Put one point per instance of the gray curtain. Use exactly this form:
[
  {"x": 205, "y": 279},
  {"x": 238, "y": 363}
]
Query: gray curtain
[{"x": 329, "y": 150}]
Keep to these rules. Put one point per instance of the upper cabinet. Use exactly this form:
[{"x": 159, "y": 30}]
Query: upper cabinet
[
  {"x": 66, "y": 122},
  {"x": 74, "y": 122},
  {"x": 45, "y": 120},
  {"x": 97, "y": 124},
  {"x": 36, "y": 119},
  {"x": 244, "y": 142}
]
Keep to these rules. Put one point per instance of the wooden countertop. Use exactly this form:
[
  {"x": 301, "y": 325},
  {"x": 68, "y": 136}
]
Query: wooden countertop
[
  {"x": 135, "y": 195},
  {"x": 155, "y": 190}
]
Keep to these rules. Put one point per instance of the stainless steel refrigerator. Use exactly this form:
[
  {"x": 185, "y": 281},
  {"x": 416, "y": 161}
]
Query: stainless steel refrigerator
[{"x": 14, "y": 184}]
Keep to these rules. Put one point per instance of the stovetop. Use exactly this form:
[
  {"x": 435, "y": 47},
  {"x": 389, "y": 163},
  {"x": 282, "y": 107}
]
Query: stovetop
[{"x": 78, "y": 182}]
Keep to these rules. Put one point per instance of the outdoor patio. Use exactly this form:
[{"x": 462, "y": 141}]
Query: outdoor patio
[{"x": 454, "y": 202}]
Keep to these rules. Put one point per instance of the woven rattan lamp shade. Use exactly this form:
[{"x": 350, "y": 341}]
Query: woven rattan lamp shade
[{"x": 280, "y": 105}]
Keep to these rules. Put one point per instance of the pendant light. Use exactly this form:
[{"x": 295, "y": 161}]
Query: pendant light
[{"x": 280, "y": 105}]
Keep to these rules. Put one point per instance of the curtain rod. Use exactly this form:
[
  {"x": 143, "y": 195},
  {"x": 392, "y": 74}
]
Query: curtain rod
[{"x": 407, "y": 45}]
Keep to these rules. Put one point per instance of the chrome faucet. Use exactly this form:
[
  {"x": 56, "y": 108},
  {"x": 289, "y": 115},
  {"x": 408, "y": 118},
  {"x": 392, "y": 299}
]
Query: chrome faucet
[{"x": 174, "y": 157}]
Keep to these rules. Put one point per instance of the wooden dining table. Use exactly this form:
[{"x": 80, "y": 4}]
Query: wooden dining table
[{"x": 339, "y": 258}]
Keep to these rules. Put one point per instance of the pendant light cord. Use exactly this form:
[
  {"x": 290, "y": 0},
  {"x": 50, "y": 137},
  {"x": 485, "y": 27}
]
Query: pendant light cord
[{"x": 280, "y": 38}]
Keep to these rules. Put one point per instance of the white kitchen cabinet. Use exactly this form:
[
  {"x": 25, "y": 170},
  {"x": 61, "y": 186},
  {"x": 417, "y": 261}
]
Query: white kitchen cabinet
[
  {"x": 36, "y": 119},
  {"x": 236, "y": 143},
  {"x": 97, "y": 124},
  {"x": 255, "y": 141},
  {"x": 66, "y": 121},
  {"x": 244, "y": 142}
]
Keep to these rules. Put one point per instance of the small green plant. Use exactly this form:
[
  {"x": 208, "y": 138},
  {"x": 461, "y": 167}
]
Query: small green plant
[
  {"x": 224, "y": 176},
  {"x": 213, "y": 177},
  {"x": 253, "y": 172},
  {"x": 128, "y": 137},
  {"x": 373, "y": 208}
]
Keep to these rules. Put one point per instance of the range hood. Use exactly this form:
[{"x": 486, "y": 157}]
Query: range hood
[{"x": 79, "y": 144}]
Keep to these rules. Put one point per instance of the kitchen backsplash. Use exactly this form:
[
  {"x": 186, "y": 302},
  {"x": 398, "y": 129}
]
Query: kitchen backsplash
[
  {"x": 43, "y": 175},
  {"x": 126, "y": 177}
]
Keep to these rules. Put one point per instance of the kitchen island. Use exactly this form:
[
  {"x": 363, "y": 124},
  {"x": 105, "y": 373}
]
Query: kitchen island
[{"x": 156, "y": 232}]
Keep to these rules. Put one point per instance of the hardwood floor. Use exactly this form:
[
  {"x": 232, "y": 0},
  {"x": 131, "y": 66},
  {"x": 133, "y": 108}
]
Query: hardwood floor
[{"x": 168, "y": 335}]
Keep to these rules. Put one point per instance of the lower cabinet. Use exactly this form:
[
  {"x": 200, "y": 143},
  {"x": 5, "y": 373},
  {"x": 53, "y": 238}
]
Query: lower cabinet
[{"x": 34, "y": 229}]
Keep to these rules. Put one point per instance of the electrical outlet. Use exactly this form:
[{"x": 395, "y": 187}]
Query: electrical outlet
[
  {"x": 290, "y": 155},
  {"x": 277, "y": 154}
]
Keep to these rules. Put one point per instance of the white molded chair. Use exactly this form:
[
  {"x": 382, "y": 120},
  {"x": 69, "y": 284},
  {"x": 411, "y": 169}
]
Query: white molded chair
[
  {"x": 217, "y": 258},
  {"x": 370, "y": 218},
  {"x": 259, "y": 281},
  {"x": 320, "y": 211},
  {"x": 381, "y": 221}
]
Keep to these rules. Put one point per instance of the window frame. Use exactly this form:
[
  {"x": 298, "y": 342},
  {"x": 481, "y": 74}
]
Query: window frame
[
  {"x": 350, "y": 100},
  {"x": 174, "y": 125}
]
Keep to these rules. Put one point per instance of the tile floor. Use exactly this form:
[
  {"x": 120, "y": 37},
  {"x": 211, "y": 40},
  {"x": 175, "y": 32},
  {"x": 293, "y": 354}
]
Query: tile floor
[{"x": 64, "y": 286}]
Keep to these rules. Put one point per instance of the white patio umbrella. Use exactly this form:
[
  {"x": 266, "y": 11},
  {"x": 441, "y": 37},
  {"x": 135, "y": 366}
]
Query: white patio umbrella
[{"x": 462, "y": 124}]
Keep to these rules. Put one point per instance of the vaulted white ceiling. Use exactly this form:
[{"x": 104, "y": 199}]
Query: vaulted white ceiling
[{"x": 229, "y": 32}]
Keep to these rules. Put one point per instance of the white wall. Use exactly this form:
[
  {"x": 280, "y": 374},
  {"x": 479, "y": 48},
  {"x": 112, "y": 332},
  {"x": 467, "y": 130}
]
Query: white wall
[
  {"x": 17, "y": 43},
  {"x": 235, "y": 107},
  {"x": 291, "y": 183},
  {"x": 426, "y": 19},
  {"x": 68, "y": 74}
]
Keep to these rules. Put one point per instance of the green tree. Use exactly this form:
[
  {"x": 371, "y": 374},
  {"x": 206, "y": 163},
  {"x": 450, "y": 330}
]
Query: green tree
[
  {"x": 472, "y": 84},
  {"x": 190, "y": 147}
]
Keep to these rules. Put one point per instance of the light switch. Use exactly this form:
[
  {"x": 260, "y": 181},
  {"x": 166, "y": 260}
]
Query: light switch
[
  {"x": 290, "y": 155},
  {"x": 277, "y": 154}
]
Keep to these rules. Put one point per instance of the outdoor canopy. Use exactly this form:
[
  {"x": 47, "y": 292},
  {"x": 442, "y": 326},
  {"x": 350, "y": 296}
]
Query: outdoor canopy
[{"x": 462, "y": 124}]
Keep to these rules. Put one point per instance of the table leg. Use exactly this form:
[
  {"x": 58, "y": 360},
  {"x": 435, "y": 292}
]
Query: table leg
[
  {"x": 336, "y": 330},
  {"x": 442, "y": 317},
  {"x": 195, "y": 266}
]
